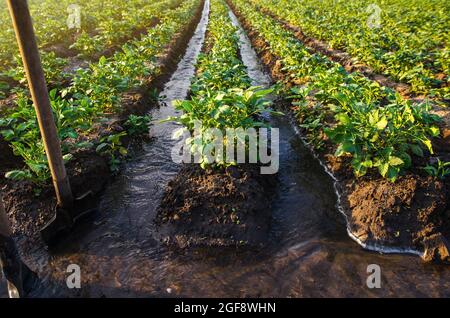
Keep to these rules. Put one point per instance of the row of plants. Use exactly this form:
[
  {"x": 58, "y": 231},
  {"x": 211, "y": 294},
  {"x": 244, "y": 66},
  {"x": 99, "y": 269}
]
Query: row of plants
[
  {"x": 104, "y": 25},
  {"x": 221, "y": 93},
  {"x": 103, "y": 20},
  {"x": 370, "y": 124},
  {"x": 405, "y": 40},
  {"x": 94, "y": 94}
]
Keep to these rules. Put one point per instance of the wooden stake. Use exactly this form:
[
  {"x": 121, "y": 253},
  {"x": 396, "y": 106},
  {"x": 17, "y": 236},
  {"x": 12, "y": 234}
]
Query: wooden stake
[{"x": 23, "y": 28}]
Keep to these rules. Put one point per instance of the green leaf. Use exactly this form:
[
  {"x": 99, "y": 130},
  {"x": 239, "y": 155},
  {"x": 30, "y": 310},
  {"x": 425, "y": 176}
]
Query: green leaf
[
  {"x": 348, "y": 147},
  {"x": 417, "y": 150},
  {"x": 343, "y": 118},
  {"x": 382, "y": 123},
  {"x": 123, "y": 151},
  {"x": 395, "y": 161},
  {"x": 432, "y": 171},
  {"x": 102, "y": 147},
  {"x": 67, "y": 157},
  {"x": 427, "y": 143},
  {"x": 434, "y": 131},
  {"x": 17, "y": 175},
  {"x": 72, "y": 134},
  {"x": 392, "y": 174},
  {"x": 383, "y": 169},
  {"x": 84, "y": 144},
  {"x": 8, "y": 134}
]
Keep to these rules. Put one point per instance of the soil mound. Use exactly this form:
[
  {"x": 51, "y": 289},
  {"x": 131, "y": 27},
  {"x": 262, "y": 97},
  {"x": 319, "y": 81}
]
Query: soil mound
[{"x": 217, "y": 207}]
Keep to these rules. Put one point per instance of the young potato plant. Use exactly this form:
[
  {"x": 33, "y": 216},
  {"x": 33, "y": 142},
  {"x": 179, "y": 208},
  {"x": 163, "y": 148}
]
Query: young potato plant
[
  {"x": 441, "y": 170},
  {"x": 112, "y": 147},
  {"x": 137, "y": 125},
  {"x": 107, "y": 32},
  {"x": 123, "y": 20},
  {"x": 21, "y": 129},
  {"x": 103, "y": 82},
  {"x": 383, "y": 137},
  {"x": 107, "y": 23}
]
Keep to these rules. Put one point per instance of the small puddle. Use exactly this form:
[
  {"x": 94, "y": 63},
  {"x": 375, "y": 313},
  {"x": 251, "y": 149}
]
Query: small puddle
[{"x": 310, "y": 254}]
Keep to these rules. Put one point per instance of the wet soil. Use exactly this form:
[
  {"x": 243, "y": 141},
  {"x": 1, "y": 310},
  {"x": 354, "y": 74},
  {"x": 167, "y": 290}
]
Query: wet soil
[
  {"x": 410, "y": 215},
  {"x": 227, "y": 207},
  {"x": 29, "y": 207}
]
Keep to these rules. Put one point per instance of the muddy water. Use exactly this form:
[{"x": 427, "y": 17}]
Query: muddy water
[{"x": 310, "y": 253}]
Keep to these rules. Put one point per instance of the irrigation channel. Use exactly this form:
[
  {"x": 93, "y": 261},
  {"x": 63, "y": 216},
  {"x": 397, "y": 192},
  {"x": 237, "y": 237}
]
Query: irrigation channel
[{"x": 310, "y": 253}]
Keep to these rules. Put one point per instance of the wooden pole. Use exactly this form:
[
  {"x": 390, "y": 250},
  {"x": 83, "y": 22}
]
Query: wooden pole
[{"x": 23, "y": 28}]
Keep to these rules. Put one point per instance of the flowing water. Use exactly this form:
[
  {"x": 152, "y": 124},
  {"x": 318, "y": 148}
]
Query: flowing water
[{"x": 310, "y": 252}]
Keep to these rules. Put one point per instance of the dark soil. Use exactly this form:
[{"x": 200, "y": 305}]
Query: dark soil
[
  {"x": 406, "y": 213},
  {"x": 228, "y": 207},
  {"x": 413, "y": 212},
  {"x": 29, "y": 208}
]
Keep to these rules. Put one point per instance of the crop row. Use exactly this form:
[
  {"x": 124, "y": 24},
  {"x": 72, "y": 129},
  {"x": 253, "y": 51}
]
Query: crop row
[
  {"x": 405, "y": 40},
  {"x": 103, "y": 26},
  {"x": 370, "y": 124},
  {"x": 93, "y": 93},
  {"x": 221, "y": 94}
]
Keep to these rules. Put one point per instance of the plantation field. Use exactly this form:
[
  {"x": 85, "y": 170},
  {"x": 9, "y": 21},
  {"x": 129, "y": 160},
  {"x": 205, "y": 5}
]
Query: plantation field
[
  {"x": 220, "y": 148},
  {"x": 409, "y": 42},
  {"x": 221, "y": 94}
]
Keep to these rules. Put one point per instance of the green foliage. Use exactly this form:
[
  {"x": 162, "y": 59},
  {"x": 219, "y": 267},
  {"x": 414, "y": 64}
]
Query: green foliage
[
  {"x": 440, "y": 171},
  {"x": 112, "y": 147},
  {"x": 94, "y": 91},
  {"x": 34, "y": 157},
  {"x": 411, "y": 44},
  {"x": 22, "y": 131},
  {"x": 137, "y": 125},
  {"x": 52, "y": 65},
  {"x": 383, "y": 138},
  {"x": 105, "y": 23}
]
